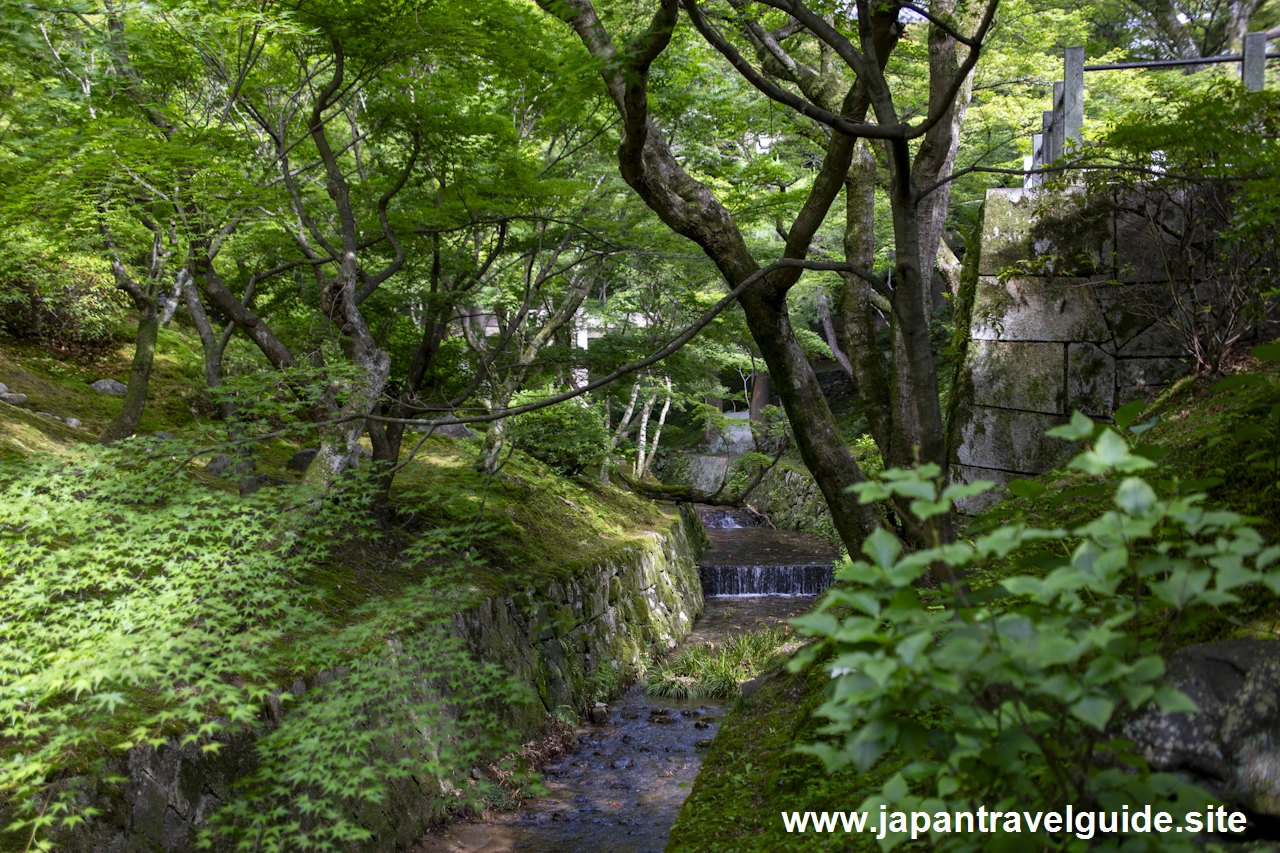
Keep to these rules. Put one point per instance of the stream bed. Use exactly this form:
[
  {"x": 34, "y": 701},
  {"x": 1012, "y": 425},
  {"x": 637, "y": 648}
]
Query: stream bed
[{"x": 621, "y": 790}]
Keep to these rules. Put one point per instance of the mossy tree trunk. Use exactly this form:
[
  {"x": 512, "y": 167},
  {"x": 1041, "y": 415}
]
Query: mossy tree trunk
[{"x": 126, "y": 422}]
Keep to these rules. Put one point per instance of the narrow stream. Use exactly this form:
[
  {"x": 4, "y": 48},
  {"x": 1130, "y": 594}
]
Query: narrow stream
[{"x": 622, "y": 789}]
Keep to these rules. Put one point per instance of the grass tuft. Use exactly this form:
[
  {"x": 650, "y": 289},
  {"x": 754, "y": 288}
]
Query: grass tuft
[{"x": 717, "y": 670}]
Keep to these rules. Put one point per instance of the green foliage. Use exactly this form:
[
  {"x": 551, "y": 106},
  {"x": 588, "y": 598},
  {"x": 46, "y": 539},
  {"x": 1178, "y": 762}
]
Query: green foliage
[
  {"x": 67, "y": 298},
  {"x": 166, "y": 610},
  {"x": 1011, "y": 694},
  {"x": 717, "y": 670},
  {"x": 604, "y": 684},
  {"x": 569, "y": 437}
]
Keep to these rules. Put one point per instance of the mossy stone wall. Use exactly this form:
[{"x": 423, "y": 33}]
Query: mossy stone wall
[
  {"x": 1056, "y": 328},
  {"x": 792, "y": 500}
]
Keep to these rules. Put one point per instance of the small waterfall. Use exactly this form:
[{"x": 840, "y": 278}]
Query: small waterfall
[
  {"x": 730, "y": 519},
  {"x": 746, "y": 557},
  {"x": 809, "y": 579}
]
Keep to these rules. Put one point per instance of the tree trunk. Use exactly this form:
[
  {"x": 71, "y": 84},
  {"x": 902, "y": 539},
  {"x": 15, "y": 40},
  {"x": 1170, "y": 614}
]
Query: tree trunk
[
  {"x": 125, "y": 423},
  {"x": 858, "y": 302},
  {"x": 657, "y": 434},
  {"x": 937, "y": 153},
  {"x": 689, "y": 208},
  {"x": 642, "y": 440},
  {"x": 623, "y": 424},
  {"x": 213, "y": 347},
  {"x": 761, "y": 394}
]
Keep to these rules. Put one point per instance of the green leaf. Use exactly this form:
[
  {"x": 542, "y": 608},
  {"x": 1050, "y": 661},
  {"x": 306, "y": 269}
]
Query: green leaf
[
  {"x": 816, "y": 624},
  {"x": 1148, "y": 668},
  {"x": 1128, "y": 413},
  {"x": 880, "y": 669},
  {"x": 1232, "y": 576},
  {"x": 1267, "y": 352},
  {"x": 1172, "y": 700},
  {"x": 1242, "y": 380},
  {"x": 1030, "y": 489},
  {"x": 882, "y": 547},
  {"x": 928, "y": 509},
  {"x": 1249, "y": 432},
  {"x": 956, "y": 491},
  {"x": 895, "y": 790},
  {"x": 870, "y": 491},
  {"x": 1135, "y": 497},
  {"x": 1079, "y": 428},
  {"x": 1183, "y": 586},
  {"x": 1094, "y": 710}
]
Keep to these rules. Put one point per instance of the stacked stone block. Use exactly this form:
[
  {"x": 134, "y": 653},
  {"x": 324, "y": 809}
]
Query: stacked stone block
[{"x": 1055, "y": 329}]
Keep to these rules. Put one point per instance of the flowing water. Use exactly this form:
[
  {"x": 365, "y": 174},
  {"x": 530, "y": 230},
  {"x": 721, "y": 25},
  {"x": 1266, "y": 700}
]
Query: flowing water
[
  {"x": 622, "y": 789},
  {"x": 748, "y": 558}
]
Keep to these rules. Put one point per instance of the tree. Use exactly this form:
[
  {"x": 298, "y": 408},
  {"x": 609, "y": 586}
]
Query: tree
[{"x": 689, "y": 207}]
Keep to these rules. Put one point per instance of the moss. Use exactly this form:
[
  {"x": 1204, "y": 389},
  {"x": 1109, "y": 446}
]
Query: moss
[
  {"x": 752, "y": 773},
  {"x": 60, "y": 384},
  {"x": 790, "y": 496}
]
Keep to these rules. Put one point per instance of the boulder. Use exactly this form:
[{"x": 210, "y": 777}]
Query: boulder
[
  {"x": 598, "y": 713},
  {"x": 218, "y": 464},
  {"x": 453, "y": 431},
  {"x": 1231, "y": 745},
  {"x": 74, "y": 423},
  {"x": 301, "y": 460},
  {"x": 13, "y": 399},
  {"x": 109, "y": 386},
  {"x": 4, "y": 389}
]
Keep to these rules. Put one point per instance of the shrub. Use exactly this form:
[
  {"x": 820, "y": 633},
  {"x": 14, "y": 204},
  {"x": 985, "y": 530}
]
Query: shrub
[
  {"x": 569, "y": 437},
  {"x": 70, "y": 300},
  {"x": 188, "y": 613},
  {"x": 1010, "y": 695}
]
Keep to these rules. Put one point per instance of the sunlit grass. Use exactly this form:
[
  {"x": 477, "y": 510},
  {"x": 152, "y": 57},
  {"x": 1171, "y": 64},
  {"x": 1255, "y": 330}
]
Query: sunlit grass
[{"x": 717, "y": 670}]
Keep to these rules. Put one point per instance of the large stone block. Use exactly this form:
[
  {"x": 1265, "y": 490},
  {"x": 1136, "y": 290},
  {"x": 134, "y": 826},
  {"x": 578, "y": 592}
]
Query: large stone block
[
  {"x": 1055, "y": 233},
  {"x": 1091, "y": 380},
  {"x": 1038, "y": 309},
  {"x": 1149, "y": 371},
  {"x": 1150, "y": 229},
  {"x": 1006, "y": 229},
  {"x": 1011, "y": 440},
  {"x": 1155, "y": 340},
  {"x": 1018, "y": 375}
]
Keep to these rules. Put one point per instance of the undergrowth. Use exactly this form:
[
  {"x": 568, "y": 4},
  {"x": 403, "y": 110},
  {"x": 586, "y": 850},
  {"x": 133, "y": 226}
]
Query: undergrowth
[{"x": 717, "y": 670}]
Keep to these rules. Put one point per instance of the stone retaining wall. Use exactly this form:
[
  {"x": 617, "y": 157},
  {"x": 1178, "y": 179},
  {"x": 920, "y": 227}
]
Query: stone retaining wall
[
  {"x": 554, "y": 636},
  {"x": 793, "y": 501},
  {"x": 1062, "y": 334}
]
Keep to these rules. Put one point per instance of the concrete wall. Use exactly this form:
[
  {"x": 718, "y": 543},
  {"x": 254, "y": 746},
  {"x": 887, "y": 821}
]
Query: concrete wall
[
  {"x": 553, "y": 636},
  {"x": 1062, "y": 334}
]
